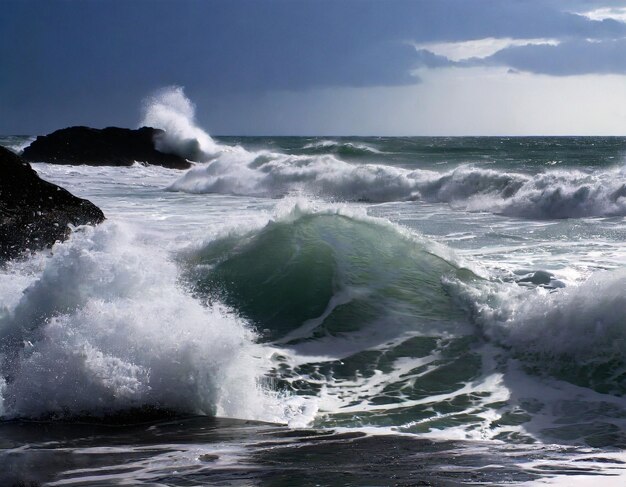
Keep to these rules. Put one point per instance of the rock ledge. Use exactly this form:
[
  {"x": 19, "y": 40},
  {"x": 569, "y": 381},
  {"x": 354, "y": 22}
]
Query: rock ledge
[{"x": 112, "y": 146}]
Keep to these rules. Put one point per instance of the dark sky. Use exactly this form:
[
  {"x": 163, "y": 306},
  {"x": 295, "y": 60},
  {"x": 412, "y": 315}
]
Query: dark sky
[{"x": 92, "y": 62}]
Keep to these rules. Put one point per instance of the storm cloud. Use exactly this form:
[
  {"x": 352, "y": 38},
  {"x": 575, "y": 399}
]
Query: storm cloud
[{"x": 82, "y": 61}]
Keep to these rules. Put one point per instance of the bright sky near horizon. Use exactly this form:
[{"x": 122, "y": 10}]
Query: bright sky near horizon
[{"x": 324, "y": 67}]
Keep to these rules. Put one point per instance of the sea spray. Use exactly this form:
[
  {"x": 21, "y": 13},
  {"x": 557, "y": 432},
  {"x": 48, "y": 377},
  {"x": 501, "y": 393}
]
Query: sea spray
[{"x": 170, "y": 110}]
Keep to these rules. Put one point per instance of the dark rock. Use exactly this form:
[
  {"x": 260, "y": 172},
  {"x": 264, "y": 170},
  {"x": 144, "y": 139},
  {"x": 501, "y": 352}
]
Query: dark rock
[
  {"x": 35, "y": 213},
  {"x": 112, "y": 146}
]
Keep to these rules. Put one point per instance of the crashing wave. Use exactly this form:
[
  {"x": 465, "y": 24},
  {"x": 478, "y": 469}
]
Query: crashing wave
[
  {"x": 551, "y": 194},
  {"x": 314, "y": 273},
  {"x": 577, "y": 333},
  {"x": 106, "y": 329},
  {"x": 170, "y": 110}
]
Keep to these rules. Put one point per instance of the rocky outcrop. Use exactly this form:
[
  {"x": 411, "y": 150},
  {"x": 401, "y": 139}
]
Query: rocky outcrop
[
  {"x": 35, "y": 213},
  {"x": 112, "y": 146}
]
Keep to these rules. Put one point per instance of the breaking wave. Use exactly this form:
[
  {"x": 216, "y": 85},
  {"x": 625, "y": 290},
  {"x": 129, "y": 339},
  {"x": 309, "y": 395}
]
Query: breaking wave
[
  {"x": 105, "y": 328},
  {"x": 550, "y": 194},
  {"x": 354, "y": 321},
  {"x": 577, "y": 334},
  {"x": 385, "y": 330},
  {"x": 170, "y": 110},
  {"x": 313, "y": 273}
]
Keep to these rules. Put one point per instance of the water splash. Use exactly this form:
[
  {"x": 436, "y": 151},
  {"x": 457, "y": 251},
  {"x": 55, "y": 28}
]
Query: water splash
[
  {"x": 106, "y": 328},
  {"x": 170, "y": 110}
]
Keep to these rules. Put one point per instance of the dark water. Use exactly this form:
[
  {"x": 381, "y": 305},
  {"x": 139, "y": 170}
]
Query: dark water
[{"x": 209, "y": 451}]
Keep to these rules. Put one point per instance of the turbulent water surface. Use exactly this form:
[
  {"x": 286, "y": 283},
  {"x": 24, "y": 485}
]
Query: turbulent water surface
[{"x": 444, "y": 310}]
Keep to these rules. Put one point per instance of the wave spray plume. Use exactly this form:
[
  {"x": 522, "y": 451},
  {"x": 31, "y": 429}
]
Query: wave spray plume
[{"x": 170, "y": 110}]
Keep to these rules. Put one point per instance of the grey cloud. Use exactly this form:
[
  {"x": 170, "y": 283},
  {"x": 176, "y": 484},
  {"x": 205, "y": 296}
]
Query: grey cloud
[
  {"x": 568, "y": 58},
  {"x": 427, "y": 59},
  {"x": 572, "y": 57}
]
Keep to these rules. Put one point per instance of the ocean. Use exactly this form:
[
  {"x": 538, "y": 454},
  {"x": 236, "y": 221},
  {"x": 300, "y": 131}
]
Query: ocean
[{"x": 326, "y": 311}]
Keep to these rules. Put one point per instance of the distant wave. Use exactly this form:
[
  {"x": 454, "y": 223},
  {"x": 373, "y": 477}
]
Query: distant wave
[
  {"x": 340, "y": 148},
  {"x": 550, "y": 194},
  {"x": 234, "y": 170}
]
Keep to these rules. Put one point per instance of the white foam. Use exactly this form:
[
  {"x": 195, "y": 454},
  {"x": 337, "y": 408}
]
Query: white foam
[
  {"x": 106, "y": 328},
  {"x": 586, "y": 323},
  {"x": 272, "y": 174}
]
